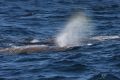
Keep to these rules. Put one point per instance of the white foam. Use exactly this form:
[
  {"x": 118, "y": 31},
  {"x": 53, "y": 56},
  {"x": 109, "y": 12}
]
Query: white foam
[
  {"x": 34, "y": 41},
  {"x": 89, "y": 44}
]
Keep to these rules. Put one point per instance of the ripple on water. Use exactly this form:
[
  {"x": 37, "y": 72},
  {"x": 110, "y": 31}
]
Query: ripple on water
[
  {"x": 68, "y": 67},
  {"x": 104, "y": 76},
  {"x": 60, "y": 78}
]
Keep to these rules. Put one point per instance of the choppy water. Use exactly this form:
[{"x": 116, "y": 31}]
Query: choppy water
[{"x": 21, "y": 20}]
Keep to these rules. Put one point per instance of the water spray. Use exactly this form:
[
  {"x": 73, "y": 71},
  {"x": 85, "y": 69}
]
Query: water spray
[{"x": 77, "y": 29}]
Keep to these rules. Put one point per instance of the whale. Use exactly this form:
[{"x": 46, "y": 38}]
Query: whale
[
  {"x": 31, "y": 48},
  {"x": 51, "y": 46}
]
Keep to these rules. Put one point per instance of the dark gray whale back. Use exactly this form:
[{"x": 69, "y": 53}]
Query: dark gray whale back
[{"x": 50, "y": 45}]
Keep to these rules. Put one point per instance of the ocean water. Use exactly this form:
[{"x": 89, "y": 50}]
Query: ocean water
[{"x": 23, "y": 20}]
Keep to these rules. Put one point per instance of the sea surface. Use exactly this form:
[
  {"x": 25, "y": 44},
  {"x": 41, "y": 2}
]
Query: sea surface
[{"x": 23, "y": 20}]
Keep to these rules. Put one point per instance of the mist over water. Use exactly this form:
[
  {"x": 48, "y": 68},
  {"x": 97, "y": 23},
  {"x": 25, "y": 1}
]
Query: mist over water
[{"x": 77, "y": 29}]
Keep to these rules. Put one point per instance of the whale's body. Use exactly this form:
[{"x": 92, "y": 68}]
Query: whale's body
[{"x": 29, "y": 48}]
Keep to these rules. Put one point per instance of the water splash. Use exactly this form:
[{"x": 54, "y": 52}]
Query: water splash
[{"x": 75, "y": 32}]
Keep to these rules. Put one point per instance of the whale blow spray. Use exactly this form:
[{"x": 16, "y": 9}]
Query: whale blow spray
[{"x": 76, "y": 30}]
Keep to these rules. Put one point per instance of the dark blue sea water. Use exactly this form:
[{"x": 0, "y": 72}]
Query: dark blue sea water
[{"x": 22, "y": 20}]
